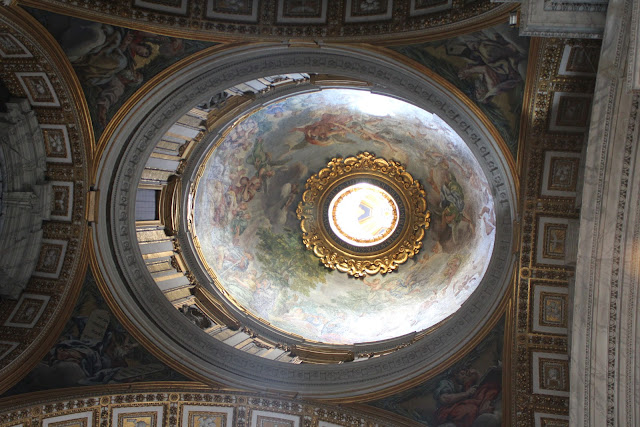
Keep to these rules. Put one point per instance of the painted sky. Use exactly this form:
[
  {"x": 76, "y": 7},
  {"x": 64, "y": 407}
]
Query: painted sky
[{"x": 244, "y": 217}]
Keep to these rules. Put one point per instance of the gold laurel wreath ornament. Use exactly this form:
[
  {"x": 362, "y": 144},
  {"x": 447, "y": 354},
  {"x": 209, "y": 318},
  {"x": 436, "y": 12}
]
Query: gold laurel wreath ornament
[{"x": 337, "y": 254}]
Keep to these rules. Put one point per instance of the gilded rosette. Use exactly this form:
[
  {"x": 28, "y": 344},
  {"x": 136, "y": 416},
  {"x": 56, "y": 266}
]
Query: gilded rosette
[{"x": 386, "y": 254}]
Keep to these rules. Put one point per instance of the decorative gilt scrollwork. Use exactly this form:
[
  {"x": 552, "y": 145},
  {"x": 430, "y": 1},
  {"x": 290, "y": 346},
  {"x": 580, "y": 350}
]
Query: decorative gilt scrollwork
[{"x": 404, "y": 243}]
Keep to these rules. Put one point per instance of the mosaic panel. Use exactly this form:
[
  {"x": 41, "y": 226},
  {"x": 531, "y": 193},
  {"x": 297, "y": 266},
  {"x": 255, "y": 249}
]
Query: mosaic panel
[
  {"x": 93, "y": 348},
  {"x": 550, "y": 309},
  {"x": 552, "y": 240},
  {"x": 56, "y": 143},
  {"x": 79, "y": 419},
  {"x": 553, "y": 309},
  {"x": 52, "y": 254},
  {"x": 110, "y": 75},
  {"x": 302, "y": 11},
  {"x": 11, "y": 47},
  {"x": 570, "y": 112},
  {"x": 38, "y": 89},
  {"x": 27, "y": 311},
  {"x": 139, "y": 416},
  {"x": 470, "y": 62},
  {"x": 555, "y": 236},
  {"x": 468, "y": 393},
  {"x": 273, "y": 419},
  {"x": 237, "y": 10},
  {"x": 550, "y": 373},
  {"x": 207, "y": 416},
  {"x": 364, "y": 10},
  {"x": 62, "y": 201},
  {"x": 560, "y": 175}
]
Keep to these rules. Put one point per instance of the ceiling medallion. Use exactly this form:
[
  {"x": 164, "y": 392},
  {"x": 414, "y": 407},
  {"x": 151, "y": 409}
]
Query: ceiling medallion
[{"x": 363, "y": 215}]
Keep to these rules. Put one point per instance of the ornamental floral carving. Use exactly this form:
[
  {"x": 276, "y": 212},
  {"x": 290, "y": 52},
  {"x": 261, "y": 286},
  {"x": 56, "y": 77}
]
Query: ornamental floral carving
[{"x": 358, "y": 261}]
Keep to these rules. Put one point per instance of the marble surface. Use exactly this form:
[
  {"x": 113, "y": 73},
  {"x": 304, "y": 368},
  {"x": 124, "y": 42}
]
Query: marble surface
[
  {"x": 580, "y": 19},
  {"x": 604, "y": 328}
]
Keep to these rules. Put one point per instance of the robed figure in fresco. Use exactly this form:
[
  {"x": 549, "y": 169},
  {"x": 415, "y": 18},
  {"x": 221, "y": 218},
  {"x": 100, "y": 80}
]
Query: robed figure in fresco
[
  {"x": 465, "y": 400},
  {"x": 452, "y": 226}
]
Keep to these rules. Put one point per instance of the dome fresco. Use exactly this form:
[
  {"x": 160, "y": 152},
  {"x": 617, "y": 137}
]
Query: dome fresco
[{"x": 249, "y": 236}]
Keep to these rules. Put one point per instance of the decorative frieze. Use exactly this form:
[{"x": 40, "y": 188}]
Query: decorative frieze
[{"x": 184, "y": 404}]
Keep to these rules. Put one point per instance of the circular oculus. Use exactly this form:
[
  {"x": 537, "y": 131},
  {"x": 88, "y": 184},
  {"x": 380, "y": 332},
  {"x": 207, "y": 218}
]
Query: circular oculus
[{"x": 363, "y": 214}]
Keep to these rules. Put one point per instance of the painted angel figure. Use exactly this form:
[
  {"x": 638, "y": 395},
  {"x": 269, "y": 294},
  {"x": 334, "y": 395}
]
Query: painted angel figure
[{"x": 450, "y": 214}]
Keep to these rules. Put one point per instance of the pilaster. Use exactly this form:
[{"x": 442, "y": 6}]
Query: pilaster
[{"x": 604, "y": 330}]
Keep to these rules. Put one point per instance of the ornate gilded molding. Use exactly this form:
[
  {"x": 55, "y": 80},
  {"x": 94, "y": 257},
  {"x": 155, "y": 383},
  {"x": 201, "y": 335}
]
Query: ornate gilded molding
[{"x": 386, "y": 256}]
